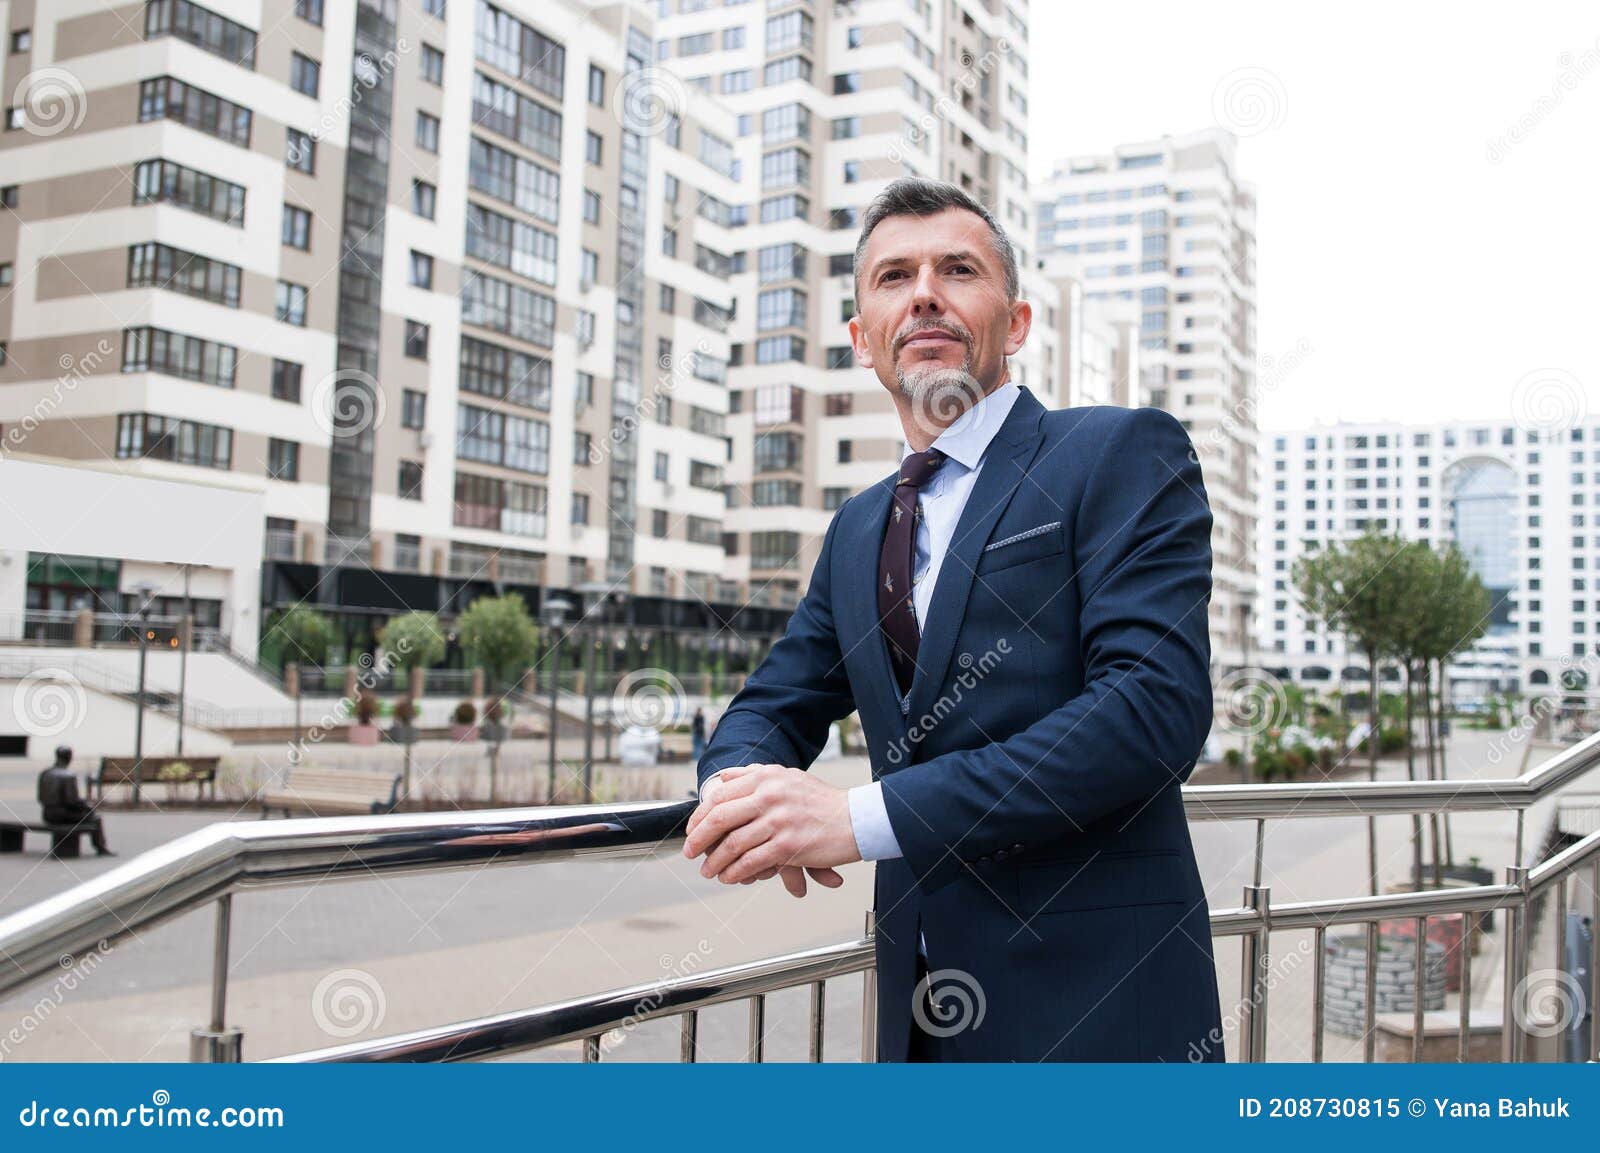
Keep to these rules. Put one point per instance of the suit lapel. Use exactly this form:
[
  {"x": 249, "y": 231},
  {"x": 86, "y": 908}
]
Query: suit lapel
[
  {"x": 1004, "y": 465},
  {"x": 857, "y": 608}
]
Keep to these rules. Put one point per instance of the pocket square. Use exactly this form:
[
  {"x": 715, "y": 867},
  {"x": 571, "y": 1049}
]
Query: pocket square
[{"x": 1026, "y": 534}]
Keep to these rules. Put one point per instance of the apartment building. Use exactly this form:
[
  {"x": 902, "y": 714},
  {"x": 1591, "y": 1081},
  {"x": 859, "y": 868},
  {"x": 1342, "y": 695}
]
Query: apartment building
[
  {"x": 832, "y": 101},
  {"x": 1163, "y": 231},
  {"x": 1516, "y": 495},
  {"x": 395, "y": 269}
]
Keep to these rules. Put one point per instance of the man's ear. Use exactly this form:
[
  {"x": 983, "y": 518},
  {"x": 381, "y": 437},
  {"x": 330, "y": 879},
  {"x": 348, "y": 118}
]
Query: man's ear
[
  {"x": 858, "y": 341},
  {"x": 1021, "y": 324}
]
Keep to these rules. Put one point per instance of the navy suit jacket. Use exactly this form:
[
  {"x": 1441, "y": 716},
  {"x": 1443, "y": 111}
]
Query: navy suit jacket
[{"x": 1061, "y": 697}]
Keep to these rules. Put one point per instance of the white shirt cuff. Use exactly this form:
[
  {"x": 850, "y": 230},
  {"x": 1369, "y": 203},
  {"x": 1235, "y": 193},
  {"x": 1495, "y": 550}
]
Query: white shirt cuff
[{"x": 869, "y": 821}]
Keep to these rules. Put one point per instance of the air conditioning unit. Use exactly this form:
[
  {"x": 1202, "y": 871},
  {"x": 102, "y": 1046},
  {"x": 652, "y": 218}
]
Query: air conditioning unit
[
  {"x": 424, "y": 439},
  {"x": 667, "y": 488}
]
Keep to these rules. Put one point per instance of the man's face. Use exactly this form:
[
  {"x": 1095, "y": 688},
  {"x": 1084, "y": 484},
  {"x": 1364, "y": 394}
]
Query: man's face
[{"x": 932, "y": 318}]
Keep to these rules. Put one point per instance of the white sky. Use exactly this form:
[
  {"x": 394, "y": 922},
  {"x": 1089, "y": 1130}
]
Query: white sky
[{"x": 1427, "y": 279}]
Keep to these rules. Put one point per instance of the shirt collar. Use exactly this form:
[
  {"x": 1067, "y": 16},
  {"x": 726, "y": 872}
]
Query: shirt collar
[{"x": 967, "y": 439}]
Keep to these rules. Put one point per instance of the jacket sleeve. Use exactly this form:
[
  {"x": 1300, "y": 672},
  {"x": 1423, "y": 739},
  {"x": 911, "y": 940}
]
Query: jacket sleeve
[
  {"x": 782, "y": 714},
  {"x": 1142, "y": 544}
]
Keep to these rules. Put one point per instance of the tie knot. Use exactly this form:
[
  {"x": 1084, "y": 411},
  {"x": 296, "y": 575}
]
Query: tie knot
[{"x": 919, "y": 466}]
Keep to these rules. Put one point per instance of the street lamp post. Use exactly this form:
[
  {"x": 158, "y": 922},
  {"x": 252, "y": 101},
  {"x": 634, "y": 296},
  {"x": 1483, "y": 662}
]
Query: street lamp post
[
  {"x": 598, "y": 597},
  {"x": 145, "y": 594},
  {"x": 185, "y": 629},
  {"x": 554, "y": 614}
]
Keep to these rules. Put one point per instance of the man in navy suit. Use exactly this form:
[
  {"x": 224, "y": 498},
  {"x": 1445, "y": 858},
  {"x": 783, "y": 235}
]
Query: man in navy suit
[{"x": 1018, "y": 615}]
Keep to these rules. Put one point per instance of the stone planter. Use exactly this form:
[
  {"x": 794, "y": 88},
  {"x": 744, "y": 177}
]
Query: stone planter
[
  {"x": 1345, "y": 1008},
  {"x": 462, "y": 732},
  {"x": 365, "y": 735}
]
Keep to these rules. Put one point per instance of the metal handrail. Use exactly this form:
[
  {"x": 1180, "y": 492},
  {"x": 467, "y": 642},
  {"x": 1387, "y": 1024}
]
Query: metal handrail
[{"x": 215, "y": 862}]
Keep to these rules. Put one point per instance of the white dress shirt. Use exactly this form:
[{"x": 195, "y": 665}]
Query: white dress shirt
[{"x": 942, "y": 498}]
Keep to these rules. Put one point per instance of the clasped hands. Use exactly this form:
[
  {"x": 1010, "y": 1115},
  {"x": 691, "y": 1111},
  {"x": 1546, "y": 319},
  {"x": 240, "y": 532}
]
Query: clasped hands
[{"x": 760, "y": 821}]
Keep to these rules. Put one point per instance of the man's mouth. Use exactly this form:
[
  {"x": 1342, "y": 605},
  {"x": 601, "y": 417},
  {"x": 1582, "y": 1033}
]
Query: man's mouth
[{"x": 930, "y": 336}]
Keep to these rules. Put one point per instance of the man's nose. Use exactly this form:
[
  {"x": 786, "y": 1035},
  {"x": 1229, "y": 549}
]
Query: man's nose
[{"x": 925, "y": 300}]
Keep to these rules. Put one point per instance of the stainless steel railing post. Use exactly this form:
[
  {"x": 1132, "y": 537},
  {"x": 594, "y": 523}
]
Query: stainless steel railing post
[{"x": 218, "y": 1044}]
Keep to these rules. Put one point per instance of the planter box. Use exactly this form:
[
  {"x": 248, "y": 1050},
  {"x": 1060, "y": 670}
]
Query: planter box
[
  {"x": 462, "y": 732},
  {"x": 362, "y": 734}
]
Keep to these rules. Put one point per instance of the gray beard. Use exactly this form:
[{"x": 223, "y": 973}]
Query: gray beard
[{"x": 938, "y": 396}]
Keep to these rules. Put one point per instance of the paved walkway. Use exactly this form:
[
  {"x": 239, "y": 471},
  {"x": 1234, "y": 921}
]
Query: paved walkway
[{"x": 315, "y": 966}]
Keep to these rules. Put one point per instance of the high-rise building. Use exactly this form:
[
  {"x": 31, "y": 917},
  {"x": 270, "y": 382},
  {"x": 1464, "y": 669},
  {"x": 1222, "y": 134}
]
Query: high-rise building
[
  {"x": 396, "y": 269},
  {"x": 1487, "y": 486},
  {"x": 1165, "y": 230},
  {"x": 832, "y": 102},
  {"x": 517, "y": 295}
]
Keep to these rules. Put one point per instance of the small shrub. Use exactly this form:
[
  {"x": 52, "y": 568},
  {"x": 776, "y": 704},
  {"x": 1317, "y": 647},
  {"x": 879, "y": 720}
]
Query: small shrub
[{"x": 466, "y": 713}]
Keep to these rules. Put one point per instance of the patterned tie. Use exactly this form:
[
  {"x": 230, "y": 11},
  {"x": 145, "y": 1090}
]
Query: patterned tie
[{"x": 896, "y": 613}]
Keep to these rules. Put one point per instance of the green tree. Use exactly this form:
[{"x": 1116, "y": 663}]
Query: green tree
[
  {"x": 298, "y": 633},
  {"x": 1355, "y": 589},
  {"x": 498, "y": 634},
  {"x": 414, "y": 640}
]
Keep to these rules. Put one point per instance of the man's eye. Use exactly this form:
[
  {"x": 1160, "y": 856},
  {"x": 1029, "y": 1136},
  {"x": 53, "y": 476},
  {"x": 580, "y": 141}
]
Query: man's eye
[
  {"x": 961, "y": 268},
  {"x": 890, "y": 275}
]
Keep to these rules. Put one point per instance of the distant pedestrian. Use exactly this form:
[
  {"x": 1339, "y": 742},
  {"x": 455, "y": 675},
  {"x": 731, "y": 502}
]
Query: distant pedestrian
[
  {"x": 61, "y": 804},
  {"x": 697, "y": 733}
]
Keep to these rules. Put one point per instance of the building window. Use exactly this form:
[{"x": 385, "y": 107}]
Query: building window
[
  {"x": 141, "y": 434},
  {"x": 283, "y": 459},
  {"x": 22, "y": 40},
  {"x": 663, "y": 461},
  {"x": 591, "y": 207},
  {"x": 409, "y": 482},
  {"x": 164, "y": 98},
  {"x": 421, "y": 270},
  {"x": 593, "y": 147},
  {"x": 296, "y": 227},
  {"x": 300, "y": 151},
  {"x": 582, "y": 448},
  {"x": 164, "y": 182},
  {"x": 423, "y": 198},
  {"x": 291, "y": 303},
  {"x": 309, "y": 10},
  {"x": 413, "y": 408},
  {"x": 597, "y": 86},
  {"x": 416, "y": 340},
  {"x": 161, "y": 266},
  {"x": 206, "y": 30},
  {"x": 580, "y": 508},
  {"x": 427, "y": 132},
  {"x": 174, "y": 354},
  {"x": 432, "y": 64},
  {"x": 305, "y": 74},
  {"x": 286, "y": 381}
]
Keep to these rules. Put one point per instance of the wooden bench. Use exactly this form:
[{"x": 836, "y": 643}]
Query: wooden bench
[
  {"x": 333, "y": 792},
  {"x": 201, "y": 772},
  {"x": 64, "y": 839}
]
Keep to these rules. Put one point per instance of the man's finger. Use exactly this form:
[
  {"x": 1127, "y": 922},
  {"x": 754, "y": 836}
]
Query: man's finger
[
  {"x": 736, "y": 844},
  {"x": 828, "y": 878},
  {"x": 725, "y": 817},
  {"x": 794, "y": 879},
  {"x": 762, "y": 856}
]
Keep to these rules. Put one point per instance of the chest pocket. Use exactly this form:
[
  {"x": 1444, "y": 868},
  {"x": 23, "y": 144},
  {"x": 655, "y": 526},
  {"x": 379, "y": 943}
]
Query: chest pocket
[{"x": 1021, "y": 547}]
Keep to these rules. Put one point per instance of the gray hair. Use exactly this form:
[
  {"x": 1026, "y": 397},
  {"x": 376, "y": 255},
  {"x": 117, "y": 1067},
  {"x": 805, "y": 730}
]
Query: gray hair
[{"x": 918, "y": 196}]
